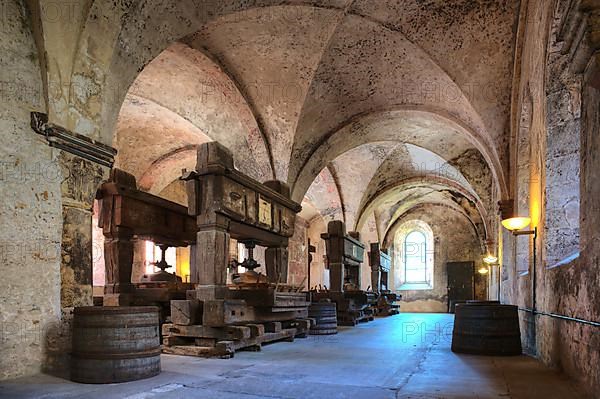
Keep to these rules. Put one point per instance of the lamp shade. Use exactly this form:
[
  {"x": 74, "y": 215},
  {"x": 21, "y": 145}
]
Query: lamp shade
[
  {"x": 516, "y": 223},
  {"x": 490, "y": 259},
  {"x": 484, "y": 270}
]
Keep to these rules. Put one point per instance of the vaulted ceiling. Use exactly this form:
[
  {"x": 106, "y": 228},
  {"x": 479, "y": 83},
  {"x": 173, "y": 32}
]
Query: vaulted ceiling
[{"x": 365, "y": 108}]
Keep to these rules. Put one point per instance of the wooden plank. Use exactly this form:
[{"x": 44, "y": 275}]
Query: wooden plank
[
  {"x": 186, "y": 312},
  {"x": 198, "y": 351},
  {"x": 227, "y": 348},
  {"x": 256, "y": 329},
  {"x": 205, "y": 341},
  {"x": 287, "y": 334},
  {"x": 177, "y": 341},
  {"x": 272, "y": 327},
  {"x": 295, "y": 309},
  {"x": 199, "y": 331},
  {"x": 218, "y": 313}
]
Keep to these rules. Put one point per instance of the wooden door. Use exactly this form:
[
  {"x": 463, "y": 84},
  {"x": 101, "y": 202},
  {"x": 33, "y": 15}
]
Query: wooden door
[{"x": 461, "y": 285}]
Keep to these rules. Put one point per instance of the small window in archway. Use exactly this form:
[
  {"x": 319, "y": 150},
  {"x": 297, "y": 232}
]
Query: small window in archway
[{"x": 415, "y": 258}]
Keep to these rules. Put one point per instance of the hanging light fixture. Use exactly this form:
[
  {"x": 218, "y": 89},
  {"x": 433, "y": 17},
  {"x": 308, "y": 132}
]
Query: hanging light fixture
[{"x": 484, "y": 270}]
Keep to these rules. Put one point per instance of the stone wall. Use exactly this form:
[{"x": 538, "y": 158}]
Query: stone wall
[
  {"x": 298, "y": 255},
  {"x": 561, "y": 76},
  {"x": 562, "y": 174},
  {"x": 319, "y": 275},
  {"x": 454, "y": 241},
  {"x": 30, "y": 210}
]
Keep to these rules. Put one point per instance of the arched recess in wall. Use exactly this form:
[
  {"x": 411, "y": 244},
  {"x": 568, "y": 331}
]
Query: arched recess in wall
[{"x": 413, "y": 256}]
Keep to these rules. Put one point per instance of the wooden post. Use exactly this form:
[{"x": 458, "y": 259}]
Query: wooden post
[
  {"x": 334, "y": 243},
  {"x": 375, "y": 261},
  {"x": 118, "y": 255},
  {"x": 276, "y": 263},
  {"x": 209, "y": 271}
]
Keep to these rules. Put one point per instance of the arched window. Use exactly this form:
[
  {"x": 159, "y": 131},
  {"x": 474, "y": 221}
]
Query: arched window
[{"x": 415, "y": 258}]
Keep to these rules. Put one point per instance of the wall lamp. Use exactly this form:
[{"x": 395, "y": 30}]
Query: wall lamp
[
  {"x": 516, "y": 226},
  {"x": 490, "y": 259}
]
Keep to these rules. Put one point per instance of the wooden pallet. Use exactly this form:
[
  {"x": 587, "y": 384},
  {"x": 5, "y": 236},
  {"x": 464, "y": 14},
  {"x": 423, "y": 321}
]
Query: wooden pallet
[
  {"x": 223, "y": 342},
  {"x": 389, "y": 310},
  {"x": 350, "y": 318}
]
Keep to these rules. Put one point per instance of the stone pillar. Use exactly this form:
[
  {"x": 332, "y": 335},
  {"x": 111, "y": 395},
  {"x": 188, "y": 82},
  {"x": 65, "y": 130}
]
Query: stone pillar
[{"x": 81, "y": 179}]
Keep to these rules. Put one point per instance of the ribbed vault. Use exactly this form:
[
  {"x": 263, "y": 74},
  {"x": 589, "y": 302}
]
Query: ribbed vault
[{"x": 366, "y": 109}]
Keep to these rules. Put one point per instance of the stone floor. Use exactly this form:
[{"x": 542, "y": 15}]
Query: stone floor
[{"x": 404, "y": 356}]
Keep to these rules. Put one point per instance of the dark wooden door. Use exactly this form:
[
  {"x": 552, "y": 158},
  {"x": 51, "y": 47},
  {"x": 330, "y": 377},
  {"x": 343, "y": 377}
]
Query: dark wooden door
[{"x": 461, "y": 286}]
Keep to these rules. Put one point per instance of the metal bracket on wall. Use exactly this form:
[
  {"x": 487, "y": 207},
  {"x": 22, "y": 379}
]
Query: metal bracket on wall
[{"x": 71, "y": 142}]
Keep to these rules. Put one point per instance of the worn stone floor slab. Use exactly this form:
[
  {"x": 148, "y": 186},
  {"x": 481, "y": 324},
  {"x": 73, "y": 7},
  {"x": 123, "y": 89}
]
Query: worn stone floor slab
[{"x": 404, "y": 356}]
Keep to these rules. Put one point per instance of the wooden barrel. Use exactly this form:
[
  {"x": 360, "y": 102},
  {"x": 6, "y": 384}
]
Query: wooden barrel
[
  {"x": 486, "y": 329},
  {"x": 325, "y": 315},
  {"x": 478, "y": 302},
  {"x": 115, "y": 344},
  {"x": 455, "y": 302}
]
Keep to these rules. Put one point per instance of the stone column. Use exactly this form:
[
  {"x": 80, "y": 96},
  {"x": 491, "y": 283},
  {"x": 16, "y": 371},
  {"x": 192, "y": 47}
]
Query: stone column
[{"x": 81, "y": 179}]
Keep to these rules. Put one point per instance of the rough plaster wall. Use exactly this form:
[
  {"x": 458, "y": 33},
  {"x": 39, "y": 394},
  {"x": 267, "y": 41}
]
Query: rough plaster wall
[
  {"x": 274, "y": 61},
  {"x": 318, "y": 274},
  {"x": 339, "y": 93},
  {"x": 30, "y": 210},
  {"x": 454, "y": 241},
  {"x": 358, "y": 165},
  {"x": 98, "y": 269},
  {"x": 175, "y": 192},
  {"x": 472, "y": 42},
  {"x": 476, "y": 171},
  {"x": 325, "y": 196},
  {"x": 368, "y": 235},
  {"x": 182, "y": 97},
  {"x": 298, "y": 255},
  {"x": 570, "y": 288}
]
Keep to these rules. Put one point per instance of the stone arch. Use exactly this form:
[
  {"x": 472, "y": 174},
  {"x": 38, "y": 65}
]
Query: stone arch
[
  {"x": 437, "y": 183},
  {"x": 364, "y": 129}
]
